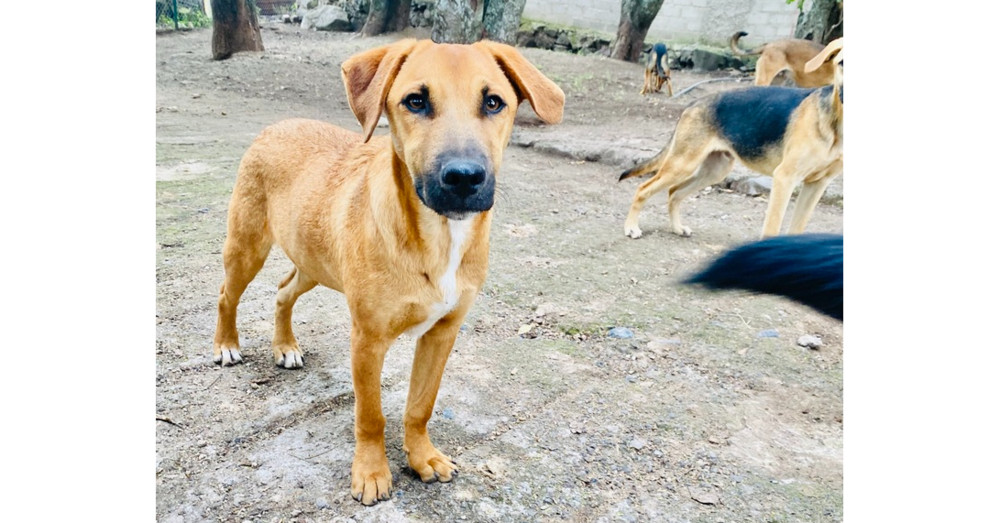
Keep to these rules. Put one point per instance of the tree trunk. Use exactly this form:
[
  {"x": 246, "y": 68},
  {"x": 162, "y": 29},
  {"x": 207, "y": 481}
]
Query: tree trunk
[
  {"x": 501, "y": 20},
  {"x": 234, "y": 28},
  {"x": 823, "y": 23},
  {"x": 637, "y": 16},
  {"x": 457, "y": 21},
  {"x": 386, "y": 16}
]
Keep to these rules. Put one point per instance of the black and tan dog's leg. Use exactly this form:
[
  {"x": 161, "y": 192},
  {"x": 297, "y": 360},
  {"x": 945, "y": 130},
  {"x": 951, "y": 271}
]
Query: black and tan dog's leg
[
  {"x": 713, "y": 169},
  {"x": 681, "y": 163},
  {"x": 429, "y": 362},
  {"x": 809, "y": 195},
  {"x": 286, "y": 349},
  {"x": 371, "y": 480}
]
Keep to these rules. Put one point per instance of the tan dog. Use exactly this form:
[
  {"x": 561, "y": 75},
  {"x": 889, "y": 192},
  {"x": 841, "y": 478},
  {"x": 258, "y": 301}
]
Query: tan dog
[
  {"x": 400, "y": 224},
  {"x": 795, "y": 135},
  {"x": 785, "y": 60},
  {"x": 657, "y": 71}
]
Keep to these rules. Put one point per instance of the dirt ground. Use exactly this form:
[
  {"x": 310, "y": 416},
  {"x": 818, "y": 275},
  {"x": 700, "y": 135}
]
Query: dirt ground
[{"x": 710, "y": 412}]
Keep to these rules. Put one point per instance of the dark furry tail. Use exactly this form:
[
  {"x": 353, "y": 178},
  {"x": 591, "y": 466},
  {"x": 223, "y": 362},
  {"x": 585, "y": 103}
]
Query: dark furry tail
[
  {"x": 734, "y": 45},
  {"x": 808, "y": 268},
  {"x": 646, "y": 167}
]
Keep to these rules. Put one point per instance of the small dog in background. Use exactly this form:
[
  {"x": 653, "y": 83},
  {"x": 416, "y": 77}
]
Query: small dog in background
[
  {"x": 783, "y": 62},
  {"x": 657, "y": 71},
  {"x": 808, "y": 268}
]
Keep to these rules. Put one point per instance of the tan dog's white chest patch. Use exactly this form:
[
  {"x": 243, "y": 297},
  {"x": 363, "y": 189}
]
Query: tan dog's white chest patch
[{"x": 459, "y": 232}]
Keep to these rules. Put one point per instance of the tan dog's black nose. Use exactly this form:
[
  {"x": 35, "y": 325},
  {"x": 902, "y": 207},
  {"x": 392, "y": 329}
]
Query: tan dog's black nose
[{"x": 463, "y": 177}]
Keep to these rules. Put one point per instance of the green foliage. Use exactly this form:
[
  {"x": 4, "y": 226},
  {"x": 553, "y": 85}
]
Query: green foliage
[{"x": 187, "y": 18}]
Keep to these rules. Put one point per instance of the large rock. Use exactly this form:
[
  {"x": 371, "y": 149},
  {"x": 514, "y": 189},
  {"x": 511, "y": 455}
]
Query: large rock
[
  {"x": 326, "y": 18},
  {"x": 700, "y": 59}
]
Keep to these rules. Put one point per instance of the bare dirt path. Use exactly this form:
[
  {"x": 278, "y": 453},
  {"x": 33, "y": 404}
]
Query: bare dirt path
[{"x": 703, "y": 415}]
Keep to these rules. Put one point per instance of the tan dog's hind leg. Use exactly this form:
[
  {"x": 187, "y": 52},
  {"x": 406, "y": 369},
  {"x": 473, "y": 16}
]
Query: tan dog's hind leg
[
  {"x": 243, "y": 255},
  {"x": 429, "y": 361},
  {"x": 371, "y": 479},
  {"x": 286, "y": 349}
]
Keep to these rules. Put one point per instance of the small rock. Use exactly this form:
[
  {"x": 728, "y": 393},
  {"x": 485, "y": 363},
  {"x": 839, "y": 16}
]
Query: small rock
[
  {"x": 810, "y": 341},
  {"x": 768, "y": 333},
  {"x": 620, "y": 332},
  {"x": 704, "y": 497},
  {"x": 447, "y": 413},
  {"x": 637, "y": 443},
  {"x": 321, "y": 503}
]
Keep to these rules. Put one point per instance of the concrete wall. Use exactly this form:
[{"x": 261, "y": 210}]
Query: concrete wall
[{"x": 707, "y": 21}]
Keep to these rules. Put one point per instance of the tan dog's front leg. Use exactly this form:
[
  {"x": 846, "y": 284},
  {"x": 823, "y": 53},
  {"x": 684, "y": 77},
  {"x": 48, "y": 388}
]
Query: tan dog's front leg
[
  {"x": 371, "y": 480},
  {"x": 429, "y": 361}
]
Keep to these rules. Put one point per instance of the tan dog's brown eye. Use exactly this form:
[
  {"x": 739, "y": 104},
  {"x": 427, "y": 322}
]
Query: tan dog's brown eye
[
  {"x": 416, "y": 103},
  {"x": 493, "y": 104}
]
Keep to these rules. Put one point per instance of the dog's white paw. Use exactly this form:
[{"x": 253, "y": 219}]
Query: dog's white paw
[
  {"x": 633, "y": 232},
  {"x": 228, "y": 357},
  {"x": 289, "y": 360},
  {"x": 682, "y": 231}
]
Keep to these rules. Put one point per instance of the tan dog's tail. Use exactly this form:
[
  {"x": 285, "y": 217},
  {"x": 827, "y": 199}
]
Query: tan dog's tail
[
  {"x": 648, "y": 166},
  {"x": 734, "y": 41}
]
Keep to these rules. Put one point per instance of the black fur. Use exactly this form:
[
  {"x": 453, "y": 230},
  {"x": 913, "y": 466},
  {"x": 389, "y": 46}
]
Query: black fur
[
  {"x": 660, "y": 50},
  {"x": 808, "y": 268},
  {"x": 756, "y": 118}
]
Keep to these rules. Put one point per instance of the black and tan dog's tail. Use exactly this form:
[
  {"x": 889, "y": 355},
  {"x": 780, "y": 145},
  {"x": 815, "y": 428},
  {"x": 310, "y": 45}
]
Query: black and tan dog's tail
[
  {"x": 646, "y": 167},
  {"x": 808, "y": 268},
  {"x": 734, "y": 45}
]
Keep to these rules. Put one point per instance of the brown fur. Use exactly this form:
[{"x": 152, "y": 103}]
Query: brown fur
[
  {"x": 784, "y": 61},
  {"x": 811, "y": 153},
  {"x": 344, "y": 208}
]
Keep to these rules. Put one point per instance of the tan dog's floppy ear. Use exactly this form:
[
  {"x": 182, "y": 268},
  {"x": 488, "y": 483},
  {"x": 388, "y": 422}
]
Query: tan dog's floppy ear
[
  {"x": 832, "y": 49},
  {"x": 545, "y": 96},
  {"x": 367, "y": 77}
]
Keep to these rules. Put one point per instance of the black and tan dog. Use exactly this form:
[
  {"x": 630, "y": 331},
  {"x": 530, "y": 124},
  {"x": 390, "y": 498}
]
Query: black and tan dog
[
  {"x": 784, "y": 61},
  {"x": 795, "y": 135},
  {"x": 657, "y": 71},
  {"x": 400, "y": 223}
]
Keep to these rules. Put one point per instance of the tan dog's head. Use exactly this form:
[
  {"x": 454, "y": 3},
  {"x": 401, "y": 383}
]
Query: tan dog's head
[{"x": 451, "y": 111}]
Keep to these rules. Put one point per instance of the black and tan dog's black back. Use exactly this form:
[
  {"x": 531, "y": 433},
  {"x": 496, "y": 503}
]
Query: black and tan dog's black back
[{"x": 793, "y": 134}]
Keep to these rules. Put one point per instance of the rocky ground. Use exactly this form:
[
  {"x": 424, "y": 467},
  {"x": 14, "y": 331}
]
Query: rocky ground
[{"x": 586, "y": 384}]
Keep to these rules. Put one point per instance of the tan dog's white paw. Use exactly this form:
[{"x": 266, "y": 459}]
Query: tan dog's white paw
[
  {"x": 682, "y": 231},
  {"x": 228, "y": 356},
  {"x": 288, "y": 358},
  {"x": 633, "y": 231}
]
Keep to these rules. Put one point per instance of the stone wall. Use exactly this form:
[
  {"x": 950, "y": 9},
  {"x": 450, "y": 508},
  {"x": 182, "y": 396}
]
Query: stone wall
[{"x": 705, "y": 21}]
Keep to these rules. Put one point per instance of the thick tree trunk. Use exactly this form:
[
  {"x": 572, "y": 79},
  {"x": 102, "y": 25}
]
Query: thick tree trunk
[
  {"x": 386, "y": 16},
  {"x": 823, "y": 23},
  {"x": 501, "y": 20},
  {"x": 637, "y": 16},
  {"x": 458, "y": 21},
  {"x": 234, "y": 28}
]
